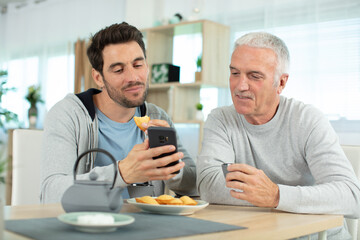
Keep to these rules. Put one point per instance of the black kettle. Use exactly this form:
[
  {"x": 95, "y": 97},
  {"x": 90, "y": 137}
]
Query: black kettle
[{"x": 91, "y": 195}]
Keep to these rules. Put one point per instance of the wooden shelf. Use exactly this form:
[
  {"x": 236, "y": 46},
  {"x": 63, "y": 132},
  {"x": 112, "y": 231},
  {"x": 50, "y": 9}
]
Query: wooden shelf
[
  {"x": 189, "y": 121},
  {"x": 179, "y": 99},
  {"x": 169, "y": 28},
  {"x": 215, "y": 41},
  {"x": 185, "y": 85}
]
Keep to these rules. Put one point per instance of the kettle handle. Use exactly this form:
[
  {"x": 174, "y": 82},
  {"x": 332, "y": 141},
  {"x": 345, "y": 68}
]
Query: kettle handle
[{"x": 97, "y": 150}]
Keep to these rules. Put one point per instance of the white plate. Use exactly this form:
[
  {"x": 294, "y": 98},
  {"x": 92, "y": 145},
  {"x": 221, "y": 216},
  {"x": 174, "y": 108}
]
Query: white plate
[
  {"x": 71, "y": 219},
  {"x": 169, "y": 209}
]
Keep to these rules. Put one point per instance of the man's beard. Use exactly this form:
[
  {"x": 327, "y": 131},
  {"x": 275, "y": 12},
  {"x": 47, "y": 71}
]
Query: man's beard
[{"x": 120, "y": 99}]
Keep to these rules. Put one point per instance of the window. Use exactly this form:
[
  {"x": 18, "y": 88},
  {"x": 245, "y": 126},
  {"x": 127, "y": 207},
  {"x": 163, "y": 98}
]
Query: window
[
  {"x": 325, "y": 65},
  {"x": 187, "y": 46},
  {"x": 21, "y": 72},
  {"x": 58, "y": 81}
]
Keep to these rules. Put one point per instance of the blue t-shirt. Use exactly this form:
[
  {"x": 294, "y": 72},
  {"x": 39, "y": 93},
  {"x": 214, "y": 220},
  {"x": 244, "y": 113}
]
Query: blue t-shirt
[{"x": 116, "y": 138}]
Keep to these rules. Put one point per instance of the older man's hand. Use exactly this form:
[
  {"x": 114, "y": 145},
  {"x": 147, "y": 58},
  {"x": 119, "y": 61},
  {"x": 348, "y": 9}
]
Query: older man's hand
[{"x": 255, "y": 186}]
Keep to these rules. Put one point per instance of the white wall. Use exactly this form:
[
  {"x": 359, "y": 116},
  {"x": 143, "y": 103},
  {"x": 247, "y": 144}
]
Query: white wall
[
  {"x": 58, "y": 22},
  {"x": 348, "y": 138},
  {"x": 55, "y": 22},
  {"x": 348, "y": 131}
]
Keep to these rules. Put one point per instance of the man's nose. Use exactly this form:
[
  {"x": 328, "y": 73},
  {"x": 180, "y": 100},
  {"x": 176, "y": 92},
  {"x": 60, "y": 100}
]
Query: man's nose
[
  {"x": 243, "y": 84},
  {"x": 130, "y": 74}
]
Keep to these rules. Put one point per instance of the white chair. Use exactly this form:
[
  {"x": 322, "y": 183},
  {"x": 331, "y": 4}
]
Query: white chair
[
  {"x": 26, "y": 166},
  {"x": 353, "y": 154}
]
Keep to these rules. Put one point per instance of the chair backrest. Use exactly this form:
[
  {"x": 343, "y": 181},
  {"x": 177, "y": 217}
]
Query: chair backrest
[
  {"x": 353, "y": 154},
  {"x": 26, "y": 166}
]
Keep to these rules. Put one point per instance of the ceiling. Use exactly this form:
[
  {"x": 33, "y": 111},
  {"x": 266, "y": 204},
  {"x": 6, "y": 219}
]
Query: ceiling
[
  {"x": 5, "y": 2},
  {"x": 16, "y": 3}
]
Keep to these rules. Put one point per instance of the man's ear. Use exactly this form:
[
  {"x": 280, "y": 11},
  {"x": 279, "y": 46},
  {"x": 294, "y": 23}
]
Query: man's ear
[
  {"x": 283, "y": 80},
  {"x": 97, "y": 78}
]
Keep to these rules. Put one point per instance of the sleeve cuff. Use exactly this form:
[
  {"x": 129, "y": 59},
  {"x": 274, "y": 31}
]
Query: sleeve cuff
[
  {"x": 120, "y": 181},
  {"x": 289, "y": 198}
]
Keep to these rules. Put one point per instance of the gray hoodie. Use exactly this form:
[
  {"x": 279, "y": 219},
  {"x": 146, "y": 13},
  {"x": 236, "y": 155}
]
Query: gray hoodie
[{"x": 71, "y": 128}]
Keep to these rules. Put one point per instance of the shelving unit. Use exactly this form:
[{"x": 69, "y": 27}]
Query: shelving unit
[{"x": 179, "y": 99}]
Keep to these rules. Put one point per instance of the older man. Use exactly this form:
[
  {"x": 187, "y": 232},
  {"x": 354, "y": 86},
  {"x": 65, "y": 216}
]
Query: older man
[{"x": 285, "y": 153}]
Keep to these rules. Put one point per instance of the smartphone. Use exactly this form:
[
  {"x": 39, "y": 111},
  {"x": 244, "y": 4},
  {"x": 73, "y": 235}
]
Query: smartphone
[{"x": 161, "y": 136}]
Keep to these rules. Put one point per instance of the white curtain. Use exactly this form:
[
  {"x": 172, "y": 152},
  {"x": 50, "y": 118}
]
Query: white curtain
[{"x": 323, "y": 37}]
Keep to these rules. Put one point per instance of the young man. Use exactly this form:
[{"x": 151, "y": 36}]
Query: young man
[
  {"x": 285, "y": 154},
  {"x": 104, "y": 119}
]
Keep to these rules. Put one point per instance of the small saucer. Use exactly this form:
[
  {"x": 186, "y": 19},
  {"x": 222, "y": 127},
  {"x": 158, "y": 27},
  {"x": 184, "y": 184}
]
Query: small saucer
[{"x": 72, "y": 219}]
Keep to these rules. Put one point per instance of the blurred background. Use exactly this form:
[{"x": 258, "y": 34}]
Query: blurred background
[{"x": 37, "y": 40}]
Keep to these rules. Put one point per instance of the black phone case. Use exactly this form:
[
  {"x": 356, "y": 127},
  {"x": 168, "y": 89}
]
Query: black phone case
[{"x": 161, "y": 136}]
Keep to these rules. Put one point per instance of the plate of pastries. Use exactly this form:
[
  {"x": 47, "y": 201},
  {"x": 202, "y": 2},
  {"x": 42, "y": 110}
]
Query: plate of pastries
[{"x": 167, "y": 204}]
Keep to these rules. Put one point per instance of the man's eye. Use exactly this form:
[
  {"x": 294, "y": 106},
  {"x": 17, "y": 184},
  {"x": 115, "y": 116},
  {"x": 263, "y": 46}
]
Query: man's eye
[
  {"x": 118, "y": 70},
  {"x": 255, "y": 76},
  {"x": 235, "y": 73}
]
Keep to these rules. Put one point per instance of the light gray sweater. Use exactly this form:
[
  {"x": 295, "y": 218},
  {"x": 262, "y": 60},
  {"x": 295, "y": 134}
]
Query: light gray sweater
[
  {"x": 71, "y": 128},
  {"x": 298, "y": 150}
]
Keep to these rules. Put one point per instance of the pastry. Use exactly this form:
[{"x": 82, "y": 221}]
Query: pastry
[
  {"x": 140, "y": 120},
  {"x": 147, "y": 200},
  {"x": 188, "y": 200},
  {"x": 164, "y": 199},
  {"x": 175, "y": 201}
]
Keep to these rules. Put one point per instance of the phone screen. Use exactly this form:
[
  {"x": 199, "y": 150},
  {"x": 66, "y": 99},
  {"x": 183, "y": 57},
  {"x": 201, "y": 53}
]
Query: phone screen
[{"x": 161, "y": 136}]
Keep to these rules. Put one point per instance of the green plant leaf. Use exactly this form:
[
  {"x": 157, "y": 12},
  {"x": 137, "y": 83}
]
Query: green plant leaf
[
  {"x": 199, "y": 63},
  {"x": 3, "y": 165},
  {"x": 6, "y": 116},
  {"x": 33, "y": 95}
]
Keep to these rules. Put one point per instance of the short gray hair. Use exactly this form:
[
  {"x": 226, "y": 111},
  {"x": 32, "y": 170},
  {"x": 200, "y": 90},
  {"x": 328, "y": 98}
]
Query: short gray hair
[{"x": 267, "y": 40}]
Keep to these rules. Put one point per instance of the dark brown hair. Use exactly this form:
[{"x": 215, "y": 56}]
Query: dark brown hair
[{"x": 113, "y": 34}]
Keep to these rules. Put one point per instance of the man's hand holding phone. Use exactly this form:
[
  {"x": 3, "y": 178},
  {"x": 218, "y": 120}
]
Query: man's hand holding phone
[
  {"x": 140, "y": 166},
  {"x": 163, "y": 136}
]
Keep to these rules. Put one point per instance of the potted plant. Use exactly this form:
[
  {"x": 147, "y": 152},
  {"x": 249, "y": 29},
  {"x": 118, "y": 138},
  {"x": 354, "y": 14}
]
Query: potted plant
[
  {"x": 6, "y": 117},
  {"x": 198, "y": 68},
  {"x": 33, "y": 96},
  {"x": 199, "y": 114},
  {"x": 3, "y": 168}
]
